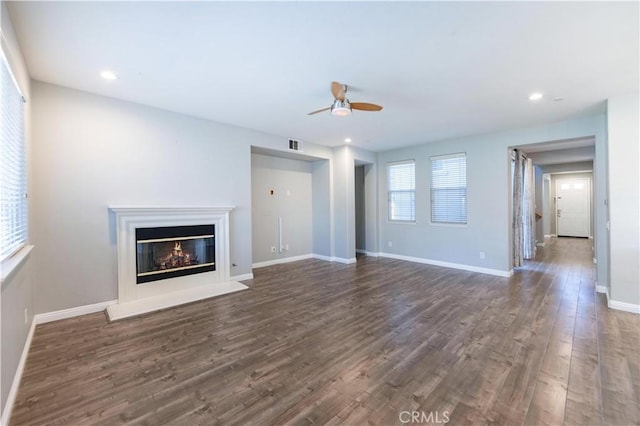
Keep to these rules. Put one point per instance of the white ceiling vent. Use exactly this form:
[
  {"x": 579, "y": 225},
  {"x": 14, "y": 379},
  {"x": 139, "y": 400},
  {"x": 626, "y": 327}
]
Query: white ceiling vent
[{"x": 295, "y": 145}]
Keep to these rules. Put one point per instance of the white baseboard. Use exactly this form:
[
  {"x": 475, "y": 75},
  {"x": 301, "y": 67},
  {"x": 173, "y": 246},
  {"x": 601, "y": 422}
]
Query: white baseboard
[
  {"x": 602, "y": 289},
  {"x": 367, "y": 253},
  {"x": 41, "y": 319},
  {"x": 595, "y": 260},
  {"x": 617, "y": 305},
  {"x": 322, "y": 257},
  {"x": 242, "y": 277},
  {"x": 335, "y": 259},
  {"x": 303, "y": 257},
  {"x": 282, "y": 260},
  {"x": 72, "y": 312},
  {"x": 344, "y": 260},
  {"x": 553, "y": 236},
  {"x": 623, "y": 306},
  {"x": 547, "y": 236},
  {"x": 17, "y": 377},
  {"x": 540, "y": 244},
  {"x": 470, "y": 268}
]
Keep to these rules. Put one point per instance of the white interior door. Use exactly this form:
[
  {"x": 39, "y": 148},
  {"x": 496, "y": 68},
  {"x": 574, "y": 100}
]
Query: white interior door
[{"x": 573, "y": 207}]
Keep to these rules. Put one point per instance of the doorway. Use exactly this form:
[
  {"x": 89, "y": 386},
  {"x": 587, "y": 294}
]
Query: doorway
[
  {"x": 361, "y": 221},
  {"x": 573, "y": 205}
]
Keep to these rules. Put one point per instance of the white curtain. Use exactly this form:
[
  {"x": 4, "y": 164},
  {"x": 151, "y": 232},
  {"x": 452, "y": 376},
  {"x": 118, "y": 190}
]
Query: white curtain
[
  {"x": 516, "y": 223},
  {"x": 528, "y": 211},
  {"x": 523, "y": 221}
]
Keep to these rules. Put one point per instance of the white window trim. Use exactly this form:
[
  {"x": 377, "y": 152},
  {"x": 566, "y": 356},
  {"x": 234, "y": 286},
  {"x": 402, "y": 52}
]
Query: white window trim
[
  {"x": 5, "y": 58},
  {"x": 448, "y": 156},
  {"x": 450, "y": 224},
  {"x": 11, "y": 264}
]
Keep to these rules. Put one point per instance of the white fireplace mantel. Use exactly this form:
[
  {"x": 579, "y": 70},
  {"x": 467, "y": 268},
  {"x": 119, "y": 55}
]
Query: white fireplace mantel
[{"x": 135, "y": 299}]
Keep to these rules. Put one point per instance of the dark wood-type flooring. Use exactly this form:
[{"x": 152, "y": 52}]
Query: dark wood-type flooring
[{"x": 313, "y": 342}]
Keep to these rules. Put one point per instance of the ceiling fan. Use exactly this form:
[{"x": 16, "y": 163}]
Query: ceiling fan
[{"x": 341, "y": 106}]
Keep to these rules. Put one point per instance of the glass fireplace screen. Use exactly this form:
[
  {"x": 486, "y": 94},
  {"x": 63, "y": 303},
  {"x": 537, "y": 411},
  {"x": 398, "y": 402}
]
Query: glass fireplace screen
[{"x": 169, "y": 252}]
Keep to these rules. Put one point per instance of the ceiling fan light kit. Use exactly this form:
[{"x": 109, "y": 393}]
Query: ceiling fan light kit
[{"x": 341, "y": 106}]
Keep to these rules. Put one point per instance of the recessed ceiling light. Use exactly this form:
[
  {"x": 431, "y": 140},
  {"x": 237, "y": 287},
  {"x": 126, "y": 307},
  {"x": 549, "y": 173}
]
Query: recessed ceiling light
[
  {"x": 535, "y": 96},
  {"x": 108, "y": 75},
  {"x": 348, "y": 140}
]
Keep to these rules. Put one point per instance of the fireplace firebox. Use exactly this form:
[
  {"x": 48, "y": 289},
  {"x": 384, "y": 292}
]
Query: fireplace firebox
[{"x": 174, "y": 251}]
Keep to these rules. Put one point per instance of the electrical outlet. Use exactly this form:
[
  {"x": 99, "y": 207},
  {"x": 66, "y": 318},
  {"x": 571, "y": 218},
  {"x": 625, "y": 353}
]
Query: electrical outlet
[
  {"x": 481, "y": 255},
  {"x": 273, "y": 249},
  {"x": 286, "y": 247},
  {"x": 390, "y": 244}
]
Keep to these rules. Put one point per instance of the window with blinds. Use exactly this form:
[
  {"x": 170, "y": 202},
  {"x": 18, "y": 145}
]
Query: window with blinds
[
  {"x": 401, "y": 191},
  {"x": 449, "y": 189},
  {"x": 13, "y": 180}
]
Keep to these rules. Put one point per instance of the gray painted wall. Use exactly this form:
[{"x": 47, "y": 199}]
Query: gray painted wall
[
  {"x": 546, "y": 205},
  {"x": 624, "y": 199},
  {"x": 343, "y": 205},
  {"x": 321, "y": 204},
  {"x": 487, "y": 204},
  {"x": 345, "y": 159},
  {"x": 488, "y": 229},
  {"x": 539, "y": 204},
  {"x": 371, "y": 207},
  {"x": 91, "y": 152},
  {"x": 568, "y": 167},
  {"x": 17, "y": 295},
  {"x": 562, "y": 156},
  {"x": 291, "y": 182}
]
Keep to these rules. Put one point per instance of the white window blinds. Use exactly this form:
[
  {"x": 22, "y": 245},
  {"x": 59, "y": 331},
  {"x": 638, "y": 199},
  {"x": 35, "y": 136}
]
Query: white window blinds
[
  {"x": 401, "y": 191},
  {"x": 13, "y": 181},
  {"x": 449, "y": 189}
]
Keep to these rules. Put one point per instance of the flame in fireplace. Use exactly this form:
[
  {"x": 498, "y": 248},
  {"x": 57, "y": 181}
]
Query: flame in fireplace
[
  {"x": 177, "y": 249},
  {"x": 177, "y": 258}
]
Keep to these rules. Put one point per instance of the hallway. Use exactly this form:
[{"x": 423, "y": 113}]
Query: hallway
[{"x": 592, "y": 360}]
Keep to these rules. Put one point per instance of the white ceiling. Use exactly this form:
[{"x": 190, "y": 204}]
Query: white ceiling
[{"x": 440, "y": 70}]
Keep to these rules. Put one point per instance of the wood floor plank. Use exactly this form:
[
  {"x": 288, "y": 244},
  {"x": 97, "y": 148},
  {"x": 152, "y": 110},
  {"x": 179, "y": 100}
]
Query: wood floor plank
[{"x": 314, "y": 342}]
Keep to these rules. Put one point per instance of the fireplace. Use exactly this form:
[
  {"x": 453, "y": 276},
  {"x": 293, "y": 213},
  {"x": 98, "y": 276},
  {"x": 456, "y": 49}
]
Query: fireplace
[
  {"x": 174, "y": 251},
  {"x": 168, "y": 256}
]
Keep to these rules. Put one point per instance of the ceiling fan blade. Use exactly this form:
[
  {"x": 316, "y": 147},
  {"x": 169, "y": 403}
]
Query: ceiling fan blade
[
  {"x": 338, "y": 90},
  {"x": 363, "y": 106},
  {"x": 319, "y": 110}
]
